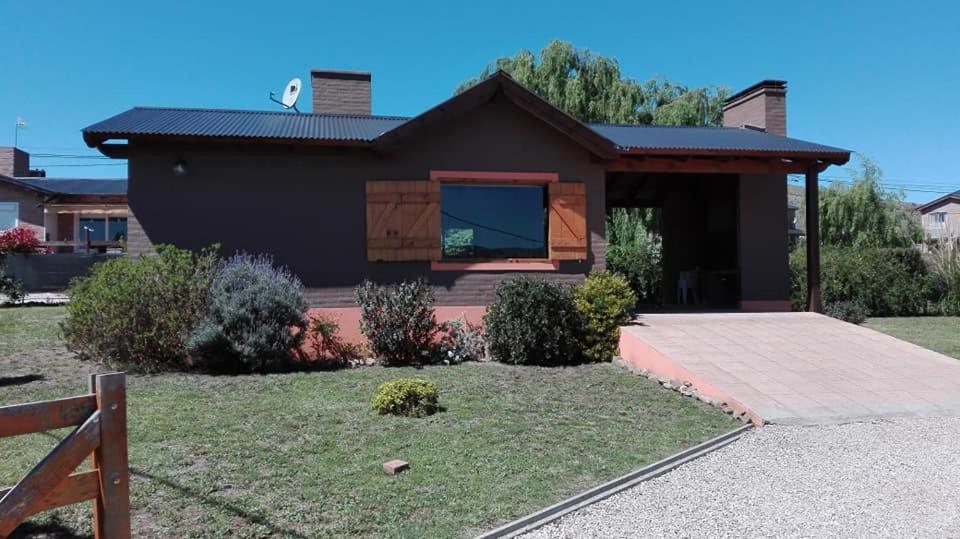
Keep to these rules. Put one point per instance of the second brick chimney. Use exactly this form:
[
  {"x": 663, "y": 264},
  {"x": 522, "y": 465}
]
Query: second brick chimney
[
  {"x": 340, "y": 92},
  {"x": 763, "y": 105}
]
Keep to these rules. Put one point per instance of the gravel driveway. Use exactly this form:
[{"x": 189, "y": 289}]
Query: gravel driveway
[{"x": 890, "y": 479}]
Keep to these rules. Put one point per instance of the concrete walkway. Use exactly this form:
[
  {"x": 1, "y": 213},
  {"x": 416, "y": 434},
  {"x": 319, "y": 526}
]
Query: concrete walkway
[{"x": 795, "y": 368}]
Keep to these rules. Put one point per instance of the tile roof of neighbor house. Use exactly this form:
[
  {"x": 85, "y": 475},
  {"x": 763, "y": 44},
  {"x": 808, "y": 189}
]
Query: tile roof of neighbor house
[
  {"x": 150, "y": 121},
  {"x": 71, "y": 186}
]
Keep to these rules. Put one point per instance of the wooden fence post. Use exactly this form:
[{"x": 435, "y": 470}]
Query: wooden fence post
[{"x": 111, "y": 512}]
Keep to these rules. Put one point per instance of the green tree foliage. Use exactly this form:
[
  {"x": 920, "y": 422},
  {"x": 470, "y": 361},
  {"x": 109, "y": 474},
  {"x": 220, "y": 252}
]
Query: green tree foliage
[
  {"x": 635, "y": 251},
  {"x": 590, "y": 88},
  {"x": 862, "y": 214}
]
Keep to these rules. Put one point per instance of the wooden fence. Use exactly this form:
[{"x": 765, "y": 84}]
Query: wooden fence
[{"x": 102, "y": 431}]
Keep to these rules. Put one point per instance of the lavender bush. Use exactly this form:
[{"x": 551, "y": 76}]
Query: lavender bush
[{"x": 252, "y": 310}]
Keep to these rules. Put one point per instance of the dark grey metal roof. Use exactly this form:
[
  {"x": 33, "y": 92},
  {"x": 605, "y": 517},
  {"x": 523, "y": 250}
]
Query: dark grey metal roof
[
  {"x": 247, "y": 124},
  {"x": 76, "y": 186},
  {"x": 242, "y": 124},
  {"x": 718, "y": 139}
]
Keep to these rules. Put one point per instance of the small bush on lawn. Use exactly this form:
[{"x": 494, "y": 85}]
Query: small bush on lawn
[
  {"x": 533, "y": 322},
  {"x": 461, "y": 341},
  {"x": 411, "y": 397},
  {"x": 886, "y": 282},
  {"x": 848, "y": 311},
  {"x": 20, "y": 240},
  {"x": 325, "y": 344},
  {"x": 252, "y": 310},
  {"x": 398, "y": 321},
  {"x": 136, "y": 313},
  {"x": 604, "y": 301}
]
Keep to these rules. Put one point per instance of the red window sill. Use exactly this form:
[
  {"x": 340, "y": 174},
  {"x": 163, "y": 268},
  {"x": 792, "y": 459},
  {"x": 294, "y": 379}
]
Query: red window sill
[{"x": 497, "y": 265}]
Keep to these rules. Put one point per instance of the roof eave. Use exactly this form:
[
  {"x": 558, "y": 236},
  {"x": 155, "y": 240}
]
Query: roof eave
[{"x": 834, "y": 158}]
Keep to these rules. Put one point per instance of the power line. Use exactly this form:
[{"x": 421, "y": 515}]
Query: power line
[{"x": 66, "y": 156}]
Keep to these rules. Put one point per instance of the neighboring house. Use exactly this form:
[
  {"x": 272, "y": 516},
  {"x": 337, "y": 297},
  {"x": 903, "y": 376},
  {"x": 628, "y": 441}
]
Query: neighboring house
[
  {"x": 492, "y": 183},
  {"x": 67, "y": 214},
  {"x": 941, "y": 218}
]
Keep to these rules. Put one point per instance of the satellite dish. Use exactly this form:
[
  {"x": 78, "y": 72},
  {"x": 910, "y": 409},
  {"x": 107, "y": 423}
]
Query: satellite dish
[{"x": 290, "y": 94}]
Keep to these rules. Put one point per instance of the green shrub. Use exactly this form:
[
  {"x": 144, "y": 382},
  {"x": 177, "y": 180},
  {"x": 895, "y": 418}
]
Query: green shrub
[
  {"x": 407, "y": 397},
  {"x": 944, "y": 267},
  {"x": 461, "y": 341},
  {"x": 848, "y": 311},
  {"x": 635, "y": 252},
  {"x": 604, "y": 301},
  {"x": 886, "y": 282},
  {"x": 324, "y": 343},
  {"x": 398, "y": 321},
  {"x": 10, "y": 287},
  {"x": 255, "y": 317},
  {"x": 137, "y": 313},
  {"x": 534, "y": 322}
]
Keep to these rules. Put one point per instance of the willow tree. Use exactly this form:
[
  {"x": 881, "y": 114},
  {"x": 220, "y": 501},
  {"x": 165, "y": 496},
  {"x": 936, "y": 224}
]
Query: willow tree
[
  {"x": 862, "y": 214},
  {"x": 591, "y": 88}
]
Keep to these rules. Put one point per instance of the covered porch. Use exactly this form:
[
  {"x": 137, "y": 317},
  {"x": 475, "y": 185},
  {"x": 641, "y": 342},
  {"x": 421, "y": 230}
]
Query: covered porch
[
  {"x": 86, "y": 226},
  {"x": 723, "y": 220}
]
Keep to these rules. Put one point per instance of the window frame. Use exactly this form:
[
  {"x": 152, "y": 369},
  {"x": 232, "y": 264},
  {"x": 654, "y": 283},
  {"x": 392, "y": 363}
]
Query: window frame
[
  {"x": 493, "y": 179},
  {"x": 16, "y": 210}
]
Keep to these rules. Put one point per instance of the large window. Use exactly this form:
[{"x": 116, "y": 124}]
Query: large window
[
  {"x": 938, "y": 219},
  {"x": 103, "y": 228},
  {"x": 9, "y": 215},
  {"x": 493, "y": 222}
]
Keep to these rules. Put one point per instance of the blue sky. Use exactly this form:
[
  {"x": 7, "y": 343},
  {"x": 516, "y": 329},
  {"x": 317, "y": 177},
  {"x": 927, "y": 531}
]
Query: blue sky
[{"x": 877, "y": 77}]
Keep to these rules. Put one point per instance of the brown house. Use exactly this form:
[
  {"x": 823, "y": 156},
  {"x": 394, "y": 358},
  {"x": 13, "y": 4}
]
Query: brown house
[{"x": 489, "y": 184}]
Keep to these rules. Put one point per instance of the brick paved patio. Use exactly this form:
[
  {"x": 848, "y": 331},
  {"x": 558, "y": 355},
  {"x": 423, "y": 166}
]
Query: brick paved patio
[{"x": 795, "y": 368}]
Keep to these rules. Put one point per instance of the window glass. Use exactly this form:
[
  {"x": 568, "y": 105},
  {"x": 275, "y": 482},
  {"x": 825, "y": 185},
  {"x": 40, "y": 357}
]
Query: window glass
[
  {"x": 117, "y": 229},
  {"x": 9, "y": 215},
  {"x": 97, "y": 227},
  {"x": 493, "y": 222}
]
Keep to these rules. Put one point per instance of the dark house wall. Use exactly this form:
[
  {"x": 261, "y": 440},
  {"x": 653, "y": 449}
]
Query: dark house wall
[
  {"x": 764, "y": 267},
  {"x": 31, "y": 212},
  {"x": 307, "y": 206}
]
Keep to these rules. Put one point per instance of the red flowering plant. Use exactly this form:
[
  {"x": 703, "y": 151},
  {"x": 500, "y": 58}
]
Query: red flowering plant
[{"x": 20, "y": 240}]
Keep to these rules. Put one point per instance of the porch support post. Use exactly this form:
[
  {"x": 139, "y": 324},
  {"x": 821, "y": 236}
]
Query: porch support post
[{"x": 813, "y": 239}]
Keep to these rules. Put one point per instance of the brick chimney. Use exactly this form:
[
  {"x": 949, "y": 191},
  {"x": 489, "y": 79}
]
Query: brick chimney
[
  {"x": 14, "y": 162},
  {"x": 340, "y": 92},
  {"x": 763, "y": 105}
]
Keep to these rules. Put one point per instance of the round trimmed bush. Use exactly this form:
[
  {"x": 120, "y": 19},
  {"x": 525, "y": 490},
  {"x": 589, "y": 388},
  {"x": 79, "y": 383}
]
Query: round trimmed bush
[
  {"x": 604, "y": 301},
  {"x": 533, "y": 322},
  {"x": 411, "y": 397}
]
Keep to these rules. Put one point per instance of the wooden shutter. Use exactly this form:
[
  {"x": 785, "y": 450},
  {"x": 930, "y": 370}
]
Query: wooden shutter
[
  {"x": 568, "y": 221},
  {"x": 403, "y": 221}
]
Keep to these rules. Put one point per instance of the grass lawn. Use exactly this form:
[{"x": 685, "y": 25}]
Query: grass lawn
[
  {"x": 939, "y": 333},
  {"x": 299, "y": 455}
]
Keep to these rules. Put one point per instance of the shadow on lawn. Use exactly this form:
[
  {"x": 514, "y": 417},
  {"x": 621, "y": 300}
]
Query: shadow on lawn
[
  {"x": 53, "y": 528},
  {"x": 19, "y": 380},
  {"x": 221, "y": 505}
]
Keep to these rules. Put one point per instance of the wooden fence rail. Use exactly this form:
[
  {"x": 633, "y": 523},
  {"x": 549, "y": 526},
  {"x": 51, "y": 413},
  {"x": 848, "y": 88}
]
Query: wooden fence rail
[{"x": 101, "y": 419}]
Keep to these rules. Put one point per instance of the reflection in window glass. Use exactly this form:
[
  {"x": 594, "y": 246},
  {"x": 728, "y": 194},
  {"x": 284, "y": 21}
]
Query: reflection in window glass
[
  {"x": 493, "y": 222},
  {"x": 117, "y": 229},
  {"x": 97, "y": 227},
  {"x": 9, "y": 213}
]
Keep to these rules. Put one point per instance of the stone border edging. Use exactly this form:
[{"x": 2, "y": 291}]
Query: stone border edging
[{"x": 595, "y": 494}]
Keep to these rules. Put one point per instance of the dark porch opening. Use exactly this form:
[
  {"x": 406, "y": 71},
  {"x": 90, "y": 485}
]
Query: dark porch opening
[{"x": 698, "y": 222}]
